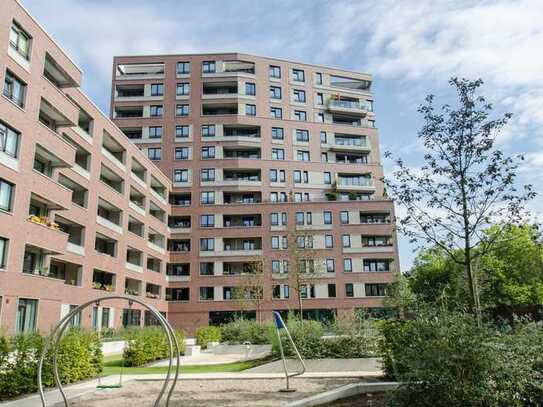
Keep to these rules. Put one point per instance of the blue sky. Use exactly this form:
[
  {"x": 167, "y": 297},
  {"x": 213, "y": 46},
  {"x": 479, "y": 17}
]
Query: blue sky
[{"x": 411, "y": 48}]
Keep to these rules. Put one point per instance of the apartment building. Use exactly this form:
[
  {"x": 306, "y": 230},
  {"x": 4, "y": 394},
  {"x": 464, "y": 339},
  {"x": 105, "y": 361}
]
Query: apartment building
[
  {"x": 258, "y": 150},
  {"x": 83, "y": 212}
]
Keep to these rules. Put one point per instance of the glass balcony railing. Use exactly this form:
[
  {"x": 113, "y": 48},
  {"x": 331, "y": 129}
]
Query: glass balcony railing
[
  {"x": 355, "y": 181},
  {"x": 347, "y": 104}
]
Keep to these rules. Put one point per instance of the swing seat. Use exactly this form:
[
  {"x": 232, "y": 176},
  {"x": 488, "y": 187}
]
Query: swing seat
[{"x": 109, "y": 386}]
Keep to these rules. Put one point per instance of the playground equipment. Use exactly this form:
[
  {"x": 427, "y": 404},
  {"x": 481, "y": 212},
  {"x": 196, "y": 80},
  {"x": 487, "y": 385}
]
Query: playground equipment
[
  {"x": 280, "y": 324},
  {"x": 56, "y": 334}
]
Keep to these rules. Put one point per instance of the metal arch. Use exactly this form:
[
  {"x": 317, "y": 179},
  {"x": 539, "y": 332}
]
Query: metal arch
[{"x": 56, "y": 335}]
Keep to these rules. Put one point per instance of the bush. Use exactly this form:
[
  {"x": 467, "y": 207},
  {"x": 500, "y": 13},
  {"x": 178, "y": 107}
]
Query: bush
[
  {"x": 149, "y": 344},
  {"x": 207, "y": 334},
  {"x": 79, "y": 357},
  {"x": 447, "y": 360},
  {"x": 242, "y": 330}
]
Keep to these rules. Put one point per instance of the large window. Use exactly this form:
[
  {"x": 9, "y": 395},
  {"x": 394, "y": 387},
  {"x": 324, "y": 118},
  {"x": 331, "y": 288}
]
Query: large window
[
  {"x": 376, "y": 290},
  {"x": 131, "y": 317},
  {"x": 208, "y": 130},
  {"x": 275, "y": 71},
  {"x": 181, "y": 175},
  {"x": 298, "y": 75},
  {"x": 250, "y": 89},
  {"x": 181, "y": 153},
  {"x": 302, "y": 135},
  {"x": 276, "y": 112},
  {"x": 154, "y": 154},
  {"x": 9, "y": 140},
  {"x": 250, "y": 110},
  {"x": 14, "y": 89},
  {"x": 208, "y": 67},
  {"x": 183, "y": 89},
  {"x": 27, "y": 310},
  {"x": 207, "y": 244},
  {"x": 157, "y": 89},
  {"x": 277, "y": 133},
  {"x": 155, "y": 132},
  {"x": 182, "y": 131},
  {"x": 183, "y": 68},
  {"x": 207, "y": 197},
  {"x": 3, "y": 252},
  {"x": 299, "y": 95},
  {"x": 182, "y": 110},
  {"x": 207, "y": 174},
  {"x": 19, "y": 40},
  {"x": 6, "y": 195},
  {"x": 275, "y": 92}
]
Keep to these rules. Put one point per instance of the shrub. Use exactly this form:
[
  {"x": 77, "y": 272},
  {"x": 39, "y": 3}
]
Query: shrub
[
  {"x": 79, "y": 357},
  {"x": 207, "y": 334},
  {"x": 242, "y": 330},
  {"x": 447, "y": 360},
  {"x": 148, "y": 344}
]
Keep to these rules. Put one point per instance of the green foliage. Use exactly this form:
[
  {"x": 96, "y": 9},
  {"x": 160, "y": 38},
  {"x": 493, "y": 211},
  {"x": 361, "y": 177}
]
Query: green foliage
[
  {"x": 149, "y": 344},
  {"x": 206, "y": 334},
  {"x": 356, "y": 338},
  {"x": 447, "y": 360},
  {"x": 79, "y": 357},
  {"x": 242, "y": 330}
]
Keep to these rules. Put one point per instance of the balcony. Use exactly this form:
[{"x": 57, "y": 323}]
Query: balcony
[
  {"x": 134, "y": 260},
  {"x": 111, "y": 179},
  {"x": 36, "y": 262},
  {"x": 69, "y": 273},
  {"x": 156, "y": 241},
  {"x": 354, "y": 182},
  {"x": 242, "y": 246},
  {"x": 179, "y": 245},
  {"x": 219, "y": 90},
  {"x": 350, "y": 84},
  {"x": 242, "y": 221},
  {"x": 350, "y": 142},
  {"x": 236, "y": 268},
  {"x": 216, "y": 109},
  {"x": 76, "y": 235},
  {"x": 137, "y": 201},
  {"x": 139, "y": 71},
  {"x": 128, "y": 112},
  {"x": 138, "y": 173},
  {"x": 102, "y": 280},
  {"x": 79, "y": 193},
  {"x": 154, "y": 264},
  {"x": 152, "y": 291},
  {"x": 241, "y": 177},
  {"x": 57, "y": 75},
  {"x": 237, "y": 198},
  {"x": 241, "y": 153},
  {"x": 180, "y": 199},
  {"x": 159, "y": 190},
  {"x": 54, "y": 142},
  {"x": 109, "y": 216},
  {"x": 351, "y": 158},
  {"x": 178, "y": 272},
  {"x": 114, "y": 151},
  {"x": 105, "y": 245},
  {"x": 179, "y": 224},
  {"x": 249, "y": 134},
  {"x": 351, "y": 107}
]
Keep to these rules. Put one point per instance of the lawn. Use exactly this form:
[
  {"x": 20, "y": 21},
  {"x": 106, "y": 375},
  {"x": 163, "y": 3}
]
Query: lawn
[{"x": 113, "y": 365}]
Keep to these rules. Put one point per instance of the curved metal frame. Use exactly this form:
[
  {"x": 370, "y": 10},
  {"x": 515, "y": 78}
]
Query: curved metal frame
[
  {"x": 279, "y": 320},
  {"x": 56, "y": 335}
]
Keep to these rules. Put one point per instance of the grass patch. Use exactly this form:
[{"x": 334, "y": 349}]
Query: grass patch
[{"x": 113, "y": 366}]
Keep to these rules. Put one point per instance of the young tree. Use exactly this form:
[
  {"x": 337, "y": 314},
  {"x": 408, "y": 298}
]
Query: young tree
[
  {"x": 305, "y": 265},
  {"x": 465, "y": 184},
  {"x": 249, "y": 293}
]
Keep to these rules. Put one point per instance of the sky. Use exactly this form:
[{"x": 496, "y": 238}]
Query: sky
[{"x": 411, "y": 47}]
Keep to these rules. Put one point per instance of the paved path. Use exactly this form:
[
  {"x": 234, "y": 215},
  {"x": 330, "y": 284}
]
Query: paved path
[
  {"x": 322, "y": 365},
  {"x": 208, "y": 358}
]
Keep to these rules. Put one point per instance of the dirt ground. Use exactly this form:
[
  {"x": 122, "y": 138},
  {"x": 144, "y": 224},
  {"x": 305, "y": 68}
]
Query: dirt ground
[
  {"x": 362, "y": 400},
  {"x": 200, "y": 393}
]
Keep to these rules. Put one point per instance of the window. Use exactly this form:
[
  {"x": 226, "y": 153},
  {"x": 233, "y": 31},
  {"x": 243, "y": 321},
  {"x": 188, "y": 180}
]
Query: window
[
  {"x": 376, "y": 265},
  {"x": 320, "y": 117},
  {"x": 298, "y": 75},
  {"x": 344, "y": 217},
  {"x": 207, "y": 269},
  {"x": 207, "y": 221},
  {"x": 250, "y": 110},
  {"x": 329, "y": 241},
  {"x": 284, "y": 242},
  {"x": 250, "y": 89},
  {"x": 183, "y": 68},
  {"x": 327, "y": 217},
  {"x": 275, "y": 92},
  {"x": 371, "y": 123},
  {"x": 180, "y": 175},
  {"x": 208, "y": 67},
  {"x": 375, "y": 290},
  {"x": 278, "y": 197},
  {"x": 276, "y": 112},
  {"x": 157, "y": 89},
  {"x": 324, "y": 139},
  {"x": 9, "y": 140},
  {"x": 277, "y": 175},
  {"x": 182, "y": 131},
  {"x": 274, "y": 219},
  {"x": 208, "y": 130},
  {"x": 302, "y": 155},
  {"x": 207, "y": 174},
  {"x": 6, "y": 195},
  {"x": 318, "y": 78},
  {"x": 183, "y": 89},
  {"x": 207, "y": 244},
  {"x": 331, "y": 291},
  {"x": 207, "y": 198},
  {"x": 275, "y": 242},
  {"x": 19, "y": 40},
  {"x": 3, "y": 252},
  {"x": 349, "y": 290},
  {"x": 347, "y": 265},
  {"x": 154, "y": 153},
  {"x": 207, "y": 293},
  {"x": 182, "y": 110},
  {"x": 319, "y": 99},
  {"x": 14, "y": 89},
  {"x": 302, "y": 135},
  {"x": 330, "y": 267},
  {"x": 327, "y": 178},
  {"x": 181, "y": 153},
  {"x": 156, "y": 111},
  {"x": 376, "y": 241},
  {"x": 277, "y": 133},
  {"x": 299, "y": 95},
  {"x": 346, "y": 240},
  {"x": 300, "y": 218},
  {"x": 227, "y": 293},
  {"x": 275, "y": 71},
  {"x": 155, "y": 132},
  {"x": 278, "y": 154},
  {"x": 300, "y": 115},
  {"x": 324, "y": 157},
  {"x": 208, "y": 152},
  {"x": 27, "y": 310}
]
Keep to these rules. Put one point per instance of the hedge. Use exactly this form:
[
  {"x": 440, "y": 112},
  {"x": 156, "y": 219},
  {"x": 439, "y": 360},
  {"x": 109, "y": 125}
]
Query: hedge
[
  {"x": 79, "y": 357},
  {"x": 242, "y": 330},
  {"x": 207, "y": 334},
  {"x": 149, "y": 344}
]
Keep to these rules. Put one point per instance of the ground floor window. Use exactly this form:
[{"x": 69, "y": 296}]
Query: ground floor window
[
  {"x": 131, "y": 317},
  {"x": 151, "y": 320},
  {"x": 224, "y": 317},
  {"x": 27, "y": 310}
]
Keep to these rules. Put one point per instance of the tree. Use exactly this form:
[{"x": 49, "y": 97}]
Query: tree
[
  {"x": 306, "y": 265},
  {"x": 250, "y": 290},
  {"x": 465, "y": 184}
]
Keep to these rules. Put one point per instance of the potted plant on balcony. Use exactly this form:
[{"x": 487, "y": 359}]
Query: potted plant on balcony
[
  {"x": 331, "y": 196},
  {"x": 53, "y": 225},
  {"x": 96, "y": 285},
  {"x": 108, "y": 287}
]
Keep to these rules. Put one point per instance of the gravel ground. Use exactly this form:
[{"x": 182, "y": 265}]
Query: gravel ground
[
  {"x": 204, "y": 393},
  {"x": 362, "y": 400}
]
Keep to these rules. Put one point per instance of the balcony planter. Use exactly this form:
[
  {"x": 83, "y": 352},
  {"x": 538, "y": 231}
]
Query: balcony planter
[
  {"x": 331, "y": 196},
  {"x": 151, "y": 295}
]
